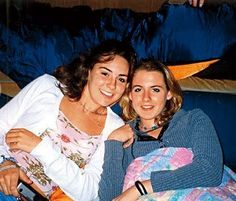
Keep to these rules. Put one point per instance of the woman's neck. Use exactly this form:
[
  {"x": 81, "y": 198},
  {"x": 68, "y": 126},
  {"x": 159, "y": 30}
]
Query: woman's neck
[
  {"x": 88, "y": 108},
  {"x": 87, "y": 104},
  {"x": 147, "y": 125}
]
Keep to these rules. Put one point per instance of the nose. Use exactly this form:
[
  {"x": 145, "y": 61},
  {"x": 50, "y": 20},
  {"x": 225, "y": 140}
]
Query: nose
[
  {"x": 111, "y": 83},
  {"x": 146, "y": 96}
]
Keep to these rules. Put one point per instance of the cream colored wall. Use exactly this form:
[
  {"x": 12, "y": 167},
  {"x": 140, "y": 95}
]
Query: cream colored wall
[
  {"x": 136, "y": 5},
  {"x": 7, "y": 86}
]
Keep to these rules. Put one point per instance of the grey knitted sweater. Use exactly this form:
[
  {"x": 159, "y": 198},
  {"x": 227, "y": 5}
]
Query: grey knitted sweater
[{"x": 191, "y": 129}]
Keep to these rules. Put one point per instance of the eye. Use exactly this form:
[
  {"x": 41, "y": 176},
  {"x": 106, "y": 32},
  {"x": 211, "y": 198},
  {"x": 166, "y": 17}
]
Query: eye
[
  {"x": 137, "y": 89},
  {"x": 105, "y": 73},
  {"x": 156, "y": 89},
  {"x": 123, "y": 80}
]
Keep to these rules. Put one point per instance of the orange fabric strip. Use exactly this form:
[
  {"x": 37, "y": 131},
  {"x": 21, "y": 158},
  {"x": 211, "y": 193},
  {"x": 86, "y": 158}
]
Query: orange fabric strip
[
  {"x": 59, "y": 195},
  {"x": 186, "y": 70}
]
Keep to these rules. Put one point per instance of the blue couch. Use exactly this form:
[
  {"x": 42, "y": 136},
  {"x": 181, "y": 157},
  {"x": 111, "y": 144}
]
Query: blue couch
[
  {"x": 37, "y": 39},
  {"x": 221, "y": 108}
]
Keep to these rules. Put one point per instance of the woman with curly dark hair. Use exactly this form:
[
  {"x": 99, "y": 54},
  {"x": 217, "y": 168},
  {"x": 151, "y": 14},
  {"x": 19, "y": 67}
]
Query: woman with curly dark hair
[{"x": 55, "y": 128}]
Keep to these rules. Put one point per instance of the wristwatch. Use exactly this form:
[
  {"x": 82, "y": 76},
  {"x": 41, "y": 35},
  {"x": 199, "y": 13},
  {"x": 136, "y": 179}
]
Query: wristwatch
[{"x": 4, "y": 158}]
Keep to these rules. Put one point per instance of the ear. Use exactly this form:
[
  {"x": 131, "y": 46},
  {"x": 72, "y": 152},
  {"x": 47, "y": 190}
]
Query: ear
[
  {"x": 130, "y": 97},
  {"x": 169, "y": 95},
  {"x": 89, "y": 73}
]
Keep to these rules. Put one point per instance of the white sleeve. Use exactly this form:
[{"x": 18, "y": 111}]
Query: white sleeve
[
  {"x": 11, "y": 112},
  {"x": 79, "y": 184}
]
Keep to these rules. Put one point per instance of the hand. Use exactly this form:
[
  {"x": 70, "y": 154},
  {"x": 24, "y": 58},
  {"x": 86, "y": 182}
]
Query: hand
[
  {"x": 22, "y": 139},
  {"x": 130, "y": 194},
  {"x": 196, "y": 3},
  {"x": 9, "y": 179},
  {"x": 123, "y": 134}
]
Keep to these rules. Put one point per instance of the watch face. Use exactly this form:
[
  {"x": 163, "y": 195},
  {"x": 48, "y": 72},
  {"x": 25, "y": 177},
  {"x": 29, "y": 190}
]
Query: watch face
[{"x": 1, "y": 159}]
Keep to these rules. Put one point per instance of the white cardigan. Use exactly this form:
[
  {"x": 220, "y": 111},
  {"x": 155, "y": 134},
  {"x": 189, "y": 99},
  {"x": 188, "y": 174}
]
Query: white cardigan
[{"x": 36, "y": 108}]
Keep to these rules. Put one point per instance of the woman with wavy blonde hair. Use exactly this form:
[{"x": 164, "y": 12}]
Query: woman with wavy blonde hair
[{"x": 171, "y": 149}]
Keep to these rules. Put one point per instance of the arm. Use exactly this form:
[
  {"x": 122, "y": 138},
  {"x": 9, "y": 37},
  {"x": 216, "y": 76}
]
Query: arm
[
  {"x": 12, "y": 112},
  {"x": 207, "y": 166},
  {"x": 77, "y": 183},
  {"x": 9, "y": 115},
  {"x": 112, "y": 177}
]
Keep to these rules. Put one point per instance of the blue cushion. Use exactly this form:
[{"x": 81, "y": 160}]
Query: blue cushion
[
  {"x": 40, "y": 38},
  {"x": 181, "y": 33},
  {"x": 221, "y": 108},
  {"x": 4, "y": 99}
]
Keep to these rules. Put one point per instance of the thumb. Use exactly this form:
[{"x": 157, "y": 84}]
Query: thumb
[
  {"x": 24, "y": 177},
  {"x": 128, "y": 143}
]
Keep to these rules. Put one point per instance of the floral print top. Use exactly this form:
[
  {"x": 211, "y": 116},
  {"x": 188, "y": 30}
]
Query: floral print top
[{"x": 74, "y": 144}]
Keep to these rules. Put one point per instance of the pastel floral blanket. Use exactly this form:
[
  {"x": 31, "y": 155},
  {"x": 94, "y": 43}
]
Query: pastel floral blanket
[{"x": 172, "y": 158}]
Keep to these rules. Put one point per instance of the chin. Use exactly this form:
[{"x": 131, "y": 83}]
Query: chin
[{"x": 106, "y": 103}]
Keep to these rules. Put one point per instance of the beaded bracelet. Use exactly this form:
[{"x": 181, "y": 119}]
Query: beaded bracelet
[
  {"x": 141, "y": 189},
  {"x": 4, "y": 158},
  {"x": 7, "y": 167}
]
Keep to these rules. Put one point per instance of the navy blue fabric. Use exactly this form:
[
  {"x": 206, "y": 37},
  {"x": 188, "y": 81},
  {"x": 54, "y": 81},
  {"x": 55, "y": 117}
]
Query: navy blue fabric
[
  {"x": 183, "y": 34},
  {"x": 4, "y": 99},
  {"x": 35, "y": 40},
  {"x": 221, "y": 108}
]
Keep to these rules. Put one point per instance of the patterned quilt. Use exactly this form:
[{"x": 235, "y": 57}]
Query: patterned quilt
[{"x": 172, "y": 158}]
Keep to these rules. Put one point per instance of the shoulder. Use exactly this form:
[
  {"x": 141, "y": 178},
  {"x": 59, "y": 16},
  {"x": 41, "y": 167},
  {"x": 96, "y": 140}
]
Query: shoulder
[
  {"x": 198, "y": 113},
  {"x": 113, "y": 117},
  {"x": 191, "y": 115},
  {"x": 113, "y": 121},
  {"x": 45, "y": 82},
  {"x": 41, "y": 87}
]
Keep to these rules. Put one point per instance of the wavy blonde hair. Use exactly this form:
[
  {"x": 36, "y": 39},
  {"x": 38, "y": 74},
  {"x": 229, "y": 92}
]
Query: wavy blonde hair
[{"x": 172, "y": 105}]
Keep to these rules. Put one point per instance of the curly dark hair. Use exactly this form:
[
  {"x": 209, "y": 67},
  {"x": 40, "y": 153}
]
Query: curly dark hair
[
  {"x": 73, "y": 77},
  {"x": 172, "y": 105}
]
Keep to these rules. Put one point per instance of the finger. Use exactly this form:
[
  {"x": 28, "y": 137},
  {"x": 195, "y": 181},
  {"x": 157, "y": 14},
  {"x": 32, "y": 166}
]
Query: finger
[
  {"x": 190, "y": 2},
  {"x": 12, "y": 132},
  {"x": 1, "y": 184},
  {"x": 13, "y": 187},
  {"x": 201, "y": 2},
  {"x": 128, "y": 143},
  {"x": 5, "y": 188},
  {"x": 25, "y": 178},
  {"x": 194, "y": 3},
  {"x": 13, "y": 146},
  {"x": 12, "y": 140},
  {"x": 15, "y": 130}
]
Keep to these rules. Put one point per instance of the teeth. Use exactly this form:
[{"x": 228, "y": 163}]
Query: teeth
[
  {"x": 147, "y": 106},
  {"x": 106, "y": 93}
]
